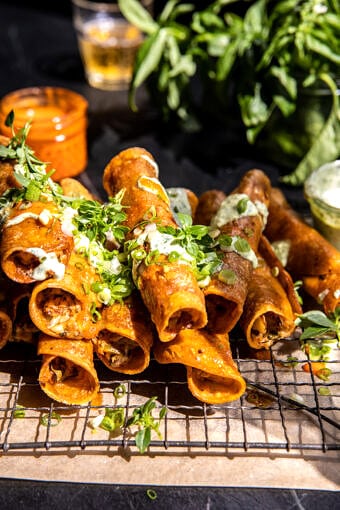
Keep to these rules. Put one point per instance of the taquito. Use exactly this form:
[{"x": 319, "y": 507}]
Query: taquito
[
  {"x": 307, "y": 255},
  {"x": 267, "y": 313},
  {"x": 5, "y": 327},
  {"x": 68, "y": 307},
  {"x": 238, "y": 222},
  {"x": 169, "y": 289},
  {"x": 208, "y": 205},
  {"x": 34, "y": 246},
  {"x": 75, "y": 189},
  {"x": 125, "y": 336},
  {"x": 67, "y": 373},
  {"x": 6, "y": 324},
  {"x": 7, "y": 177},
  {"x": 24, "y": 330},
  {"x": 212, "y": 374}
]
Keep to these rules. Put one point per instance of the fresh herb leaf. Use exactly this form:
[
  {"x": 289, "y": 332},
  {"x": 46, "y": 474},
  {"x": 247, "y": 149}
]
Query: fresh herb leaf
[
  {"x": 316, "y": 323},
  {"x": 143, "y": 418}
]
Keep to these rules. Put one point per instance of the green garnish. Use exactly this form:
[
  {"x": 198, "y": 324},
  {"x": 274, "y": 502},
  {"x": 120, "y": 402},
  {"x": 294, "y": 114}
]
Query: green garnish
[
  {"x": 95, "y": 313},
  {"x": 193, "y": 242},
  {"x": 324, "y": 391},
  {"x": 98, "y": 221},
  {"x": 120, "y": 391},
  {"x": 50, "y": 419},
  {"x": 242, "y": 205},
  {"x": 142, "y": 417},
  {"x": 297, "y": 286},
  {"x": 241, "y": 245},
  {"x": 316, "y": 323},
  {"x": 324, "y": 374},
  {"x": 19, "y": 412},
  {"x": 152, "y": 494},
  {"x": 113, "y": 419},
  {"x": 227, "y": 276},
  {"x": 291, "y": 361},
  {"x": 29, "y": 171}
]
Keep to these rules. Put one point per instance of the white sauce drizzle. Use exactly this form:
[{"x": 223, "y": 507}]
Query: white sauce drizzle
[
  {"x": 152, "y": 163},
  {"x": 67, "y": 225},
  {"x": 228, "y": 210},
  {"x": 164, "y": 243},
  {"x": 49, "y": 263},
  {"x": 179, "y": 201},
  {"x": 322, "y": 295},
  {"x": 44, "y": 217},
  {"x": 281, "y": 249},
  {"x": 249, "y": 254}
]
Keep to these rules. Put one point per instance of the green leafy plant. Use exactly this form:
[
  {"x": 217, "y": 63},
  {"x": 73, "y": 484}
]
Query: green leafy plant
[{"x": 266, "y": 62}]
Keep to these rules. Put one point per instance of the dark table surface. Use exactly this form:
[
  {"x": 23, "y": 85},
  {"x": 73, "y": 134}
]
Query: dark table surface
[{"x": 38, "y": 47}]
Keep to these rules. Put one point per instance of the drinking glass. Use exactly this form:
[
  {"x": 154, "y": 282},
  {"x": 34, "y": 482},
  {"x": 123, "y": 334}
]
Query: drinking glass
[{"x": 108, "y": 43}]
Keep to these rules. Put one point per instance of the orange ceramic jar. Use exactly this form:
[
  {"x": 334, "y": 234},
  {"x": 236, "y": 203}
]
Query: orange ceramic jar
[{"x": 58, "y": 126}]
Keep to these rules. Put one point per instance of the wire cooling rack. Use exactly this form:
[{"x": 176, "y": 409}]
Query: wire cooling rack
[{"x": 284, "y": 407}]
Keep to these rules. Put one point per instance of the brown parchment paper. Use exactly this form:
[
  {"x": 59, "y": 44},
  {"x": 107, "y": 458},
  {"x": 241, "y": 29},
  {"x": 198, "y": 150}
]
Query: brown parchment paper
[{"x": 204, "y": 465}]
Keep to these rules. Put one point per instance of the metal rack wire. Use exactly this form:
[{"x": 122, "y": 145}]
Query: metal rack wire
[{"x": 283, "y": 409}]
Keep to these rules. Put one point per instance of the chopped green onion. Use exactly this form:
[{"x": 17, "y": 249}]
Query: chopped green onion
[
  {"x": 51, "y": 419},
  {"x": 19, "y": 412},
  {"x": 152, "y": 494},
  {"x": 138, "y": 254},
  {"x": 120, "y": 391},
  {"x": 241, "y": 245},
  {"x": 324, "y": 374},
  {"x": 324, "y": 391},
  {"x": 227, "y": 276},
  {"x": 113, "y": 419},
  {"x": 242, "y": 205},
  {"x": 95, "y": 314}
]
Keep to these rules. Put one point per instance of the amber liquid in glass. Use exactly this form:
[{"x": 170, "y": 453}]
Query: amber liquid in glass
[{"x": 108, "y": 49}]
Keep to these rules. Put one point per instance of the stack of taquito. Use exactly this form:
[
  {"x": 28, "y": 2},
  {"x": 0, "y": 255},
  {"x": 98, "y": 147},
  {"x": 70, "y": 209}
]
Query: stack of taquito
[{"x": 169, "y": 312}]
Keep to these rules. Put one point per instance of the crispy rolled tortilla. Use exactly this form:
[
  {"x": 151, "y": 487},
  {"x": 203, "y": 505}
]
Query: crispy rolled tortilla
[
  {"x": 33, "y": 246},
  {"x": 66, "y": 308},
  {"x": 208, "y": 205},
  {"x": 169, "y": 289},
  {"x": 307, "y": 255},
  {"x": 67, "y": 373},
  {"x": 6, "y": 323},
  {"x": 24, "y": 330},
  {"x": 267, "y": 313},
  {"x": 125, "y": 337},
  {"x": 212, "y": 374},
  {"x": 225, "y": 297},
  {"x": 5, "y": 327},
  {"x": 267, "y": 252},
  {"x": 7, "y": 177},
  {"x": 75, "y": 189}
]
